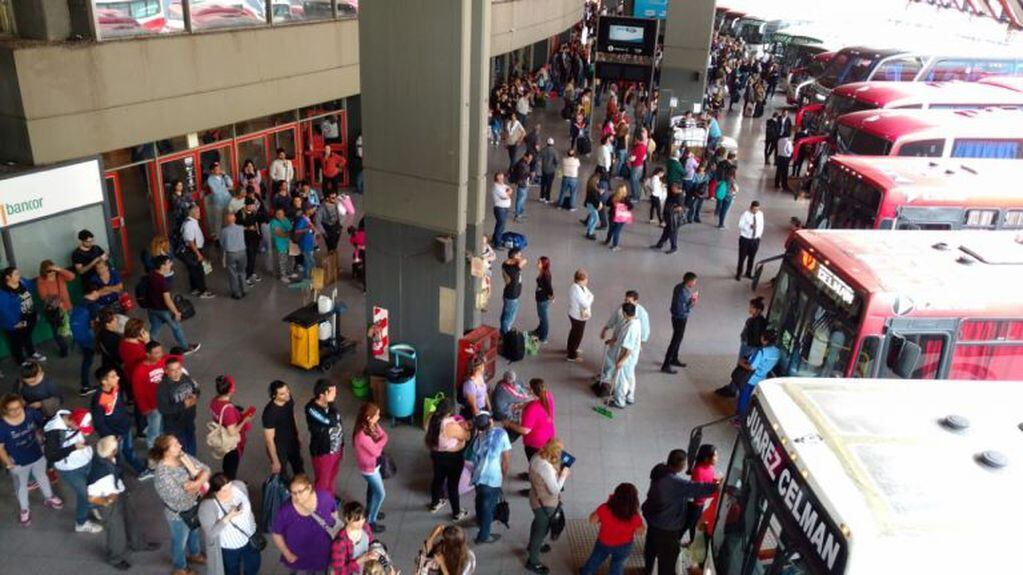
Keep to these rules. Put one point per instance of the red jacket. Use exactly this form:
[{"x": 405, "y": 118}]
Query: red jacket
[{"x": 341, "y": 559}]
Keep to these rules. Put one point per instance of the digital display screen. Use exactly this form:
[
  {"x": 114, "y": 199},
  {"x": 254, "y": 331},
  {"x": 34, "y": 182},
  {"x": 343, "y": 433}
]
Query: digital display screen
[{"x": 628, "y": 34}]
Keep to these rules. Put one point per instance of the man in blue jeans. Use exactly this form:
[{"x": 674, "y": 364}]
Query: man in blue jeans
[
  {"x": 492, "y": 456},
  {"x": 305, "y": 236},
  {"x": 520, "y": 177},
  {"x": 501, "y": 194},
  {"x": 511, "y": 269},
  {"x": 160, "y": 305},
  {"x": 110, "y": 416}
]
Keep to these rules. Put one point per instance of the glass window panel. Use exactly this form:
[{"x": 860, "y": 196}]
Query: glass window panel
[
  {"x": 347, "y": 8},
  {"x": 322, "y": 108},
  {"x": 923, "y": 149},
  {"x": 54, "y": 238},
  {"x": 255, "y": 150},
  {"x": 981, "y": 218},
  {"x": 301, "y": 10},
  {"x": 1014, "y": 219},
  {"x": 126, "y": 18},
  {"x": 218, "y": 14},
  {"x": 6, "y": 17}
]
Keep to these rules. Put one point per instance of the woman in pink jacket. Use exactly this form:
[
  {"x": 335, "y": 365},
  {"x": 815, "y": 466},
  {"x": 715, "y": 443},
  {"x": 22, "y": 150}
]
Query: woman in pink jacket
[{"x": 370, "y": 439}]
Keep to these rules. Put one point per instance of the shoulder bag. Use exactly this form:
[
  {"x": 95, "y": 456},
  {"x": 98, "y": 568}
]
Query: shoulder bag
[
  {"x": 388, "y": 468},
  {"x": 256, "y": 539},
  {"x": 221, "y": 438}
]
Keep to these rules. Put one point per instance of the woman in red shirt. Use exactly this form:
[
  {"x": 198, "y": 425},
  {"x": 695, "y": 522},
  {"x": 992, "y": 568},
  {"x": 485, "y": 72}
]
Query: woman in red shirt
[
  {"x": 703, "y": 471},
  {"x": 619, "y": 521}
]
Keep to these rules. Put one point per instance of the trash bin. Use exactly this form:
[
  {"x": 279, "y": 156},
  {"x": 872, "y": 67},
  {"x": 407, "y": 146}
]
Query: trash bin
[{"x": 401, "y": 381}]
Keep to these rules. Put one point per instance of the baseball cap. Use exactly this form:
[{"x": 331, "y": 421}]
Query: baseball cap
[{"x": 83, "y": 419}]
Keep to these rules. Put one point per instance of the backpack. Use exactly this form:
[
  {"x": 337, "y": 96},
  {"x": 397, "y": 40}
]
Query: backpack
[{"x": 142, "y": 292}]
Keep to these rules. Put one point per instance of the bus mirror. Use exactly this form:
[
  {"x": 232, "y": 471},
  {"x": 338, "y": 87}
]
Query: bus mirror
[{"x": 904, "y": 357}]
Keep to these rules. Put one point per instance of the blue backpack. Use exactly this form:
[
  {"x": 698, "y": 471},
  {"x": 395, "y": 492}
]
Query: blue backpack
[
  {"x": 81, "y": 327},
  {"x": 514, "y": 240}
]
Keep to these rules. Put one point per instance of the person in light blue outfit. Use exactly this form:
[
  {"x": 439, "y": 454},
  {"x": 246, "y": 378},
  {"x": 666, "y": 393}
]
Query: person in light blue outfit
[
  {"x": 611, "y": 328},
  {"x": 306, "y": 235},
  {"x": 491, "y": 456},
  {"x": 760, "y": 363},
  {"x": 626, "y": 347},
  {"x": 713, "y": 134},
  {"x": 219, "y": 185}
]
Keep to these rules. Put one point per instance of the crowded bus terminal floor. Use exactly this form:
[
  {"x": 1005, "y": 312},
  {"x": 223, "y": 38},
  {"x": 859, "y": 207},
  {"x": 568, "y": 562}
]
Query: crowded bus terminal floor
[{"x": 247, "y": 340}]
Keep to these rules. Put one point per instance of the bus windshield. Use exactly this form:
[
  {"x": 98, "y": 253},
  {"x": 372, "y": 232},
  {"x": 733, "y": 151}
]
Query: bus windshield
[
  {"x": 816, "y": 332},
  {"x": 847, "y": 68},
  {"x": 850, "y": 140},
  {"x": 748, "y": 537},
  {"x": 842, "y": 201},
  {"x": 840, "y": 105}
]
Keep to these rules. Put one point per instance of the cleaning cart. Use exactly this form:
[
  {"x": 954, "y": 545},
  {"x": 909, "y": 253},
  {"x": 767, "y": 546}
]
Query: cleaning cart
[{"x": 315, "y": 333}]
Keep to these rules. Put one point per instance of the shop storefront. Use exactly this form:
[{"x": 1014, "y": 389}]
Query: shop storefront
[
  {"x": 43, "y": 209},
  {"x": 138, "y": 180}
]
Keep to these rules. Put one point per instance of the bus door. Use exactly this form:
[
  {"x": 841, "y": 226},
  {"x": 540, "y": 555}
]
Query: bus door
[
  {"x": 115, "y": 210},
  {"x": 916, "y": 348}
]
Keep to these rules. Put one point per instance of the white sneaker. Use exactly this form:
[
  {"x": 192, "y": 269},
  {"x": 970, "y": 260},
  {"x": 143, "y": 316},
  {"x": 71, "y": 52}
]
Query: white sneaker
[{"x": 88, "y": 527}]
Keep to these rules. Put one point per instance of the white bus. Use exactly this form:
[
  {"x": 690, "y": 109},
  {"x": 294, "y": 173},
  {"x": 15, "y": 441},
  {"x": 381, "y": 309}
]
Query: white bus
[{"x": 869, "y": 477}]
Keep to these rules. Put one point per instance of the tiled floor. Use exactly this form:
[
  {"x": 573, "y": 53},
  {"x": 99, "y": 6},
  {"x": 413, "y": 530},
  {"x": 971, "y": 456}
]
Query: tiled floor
[{"x": 248, "y": 340}]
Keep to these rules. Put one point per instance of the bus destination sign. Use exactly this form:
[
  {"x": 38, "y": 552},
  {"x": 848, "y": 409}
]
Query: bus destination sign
[
  {"x": 826, "y": 278},
  {"x": 788, "y": 490}
]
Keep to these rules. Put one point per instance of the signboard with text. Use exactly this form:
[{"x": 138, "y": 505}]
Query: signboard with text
[
  {"x": 40, "y": 193},
  {"x": 650, "y": 9},
  {"x": 805, "y": 520}
]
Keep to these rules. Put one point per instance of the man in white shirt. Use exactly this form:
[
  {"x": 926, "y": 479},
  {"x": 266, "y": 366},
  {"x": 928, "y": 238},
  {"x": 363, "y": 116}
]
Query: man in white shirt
[
  {"x": 193, "y": 257},
  {"x": 501, "y": 192},
  {"x": 522, "y": 108},
  {"x": 604, "y": 155},
  {"x": 781, "y": 161},
  {"x": 751, "y": 227},
  {"x": 281, "y": 169},
  {"x": 569, "y": 181}
]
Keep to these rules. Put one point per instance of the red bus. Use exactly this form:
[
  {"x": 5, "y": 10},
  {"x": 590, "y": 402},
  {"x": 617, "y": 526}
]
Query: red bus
[
  {"x": 856, "y": 192},
  {"x": 931, "y": 134},
  {"x": 860, "y": 96},
  {"x": 800, "y": 79},
  {"x": 1007, "y": 82},
  {"x": 901, "y": 304},
  {"x": 859, "y": 64}
]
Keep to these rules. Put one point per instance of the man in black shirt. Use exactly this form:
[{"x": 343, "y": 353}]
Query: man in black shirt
[
  {"x": 326, "y": 434},
  {"x": 511, "y": 269},
  {"x": 176, "y": 398},
  {"x": 251, "y": 217},
  {"x": 664, "y": 511},
  {"x": 280, "y": 431},
  {"x": 87, "y": 255}
]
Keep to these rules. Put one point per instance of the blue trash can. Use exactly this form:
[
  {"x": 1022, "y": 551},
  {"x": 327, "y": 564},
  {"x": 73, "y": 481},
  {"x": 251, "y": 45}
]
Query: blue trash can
[{"x": 401, "y": 381}]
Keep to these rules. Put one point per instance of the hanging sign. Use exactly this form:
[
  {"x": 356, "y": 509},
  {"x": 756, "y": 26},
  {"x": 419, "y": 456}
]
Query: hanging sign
[{"x": 40, "y": 193}]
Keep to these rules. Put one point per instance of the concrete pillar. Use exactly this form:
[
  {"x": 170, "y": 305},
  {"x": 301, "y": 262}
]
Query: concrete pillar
[
  {"x": 687, "y": 33},
  {"x": 415, "y": 76},
  {"x": 476, "y": 200},
  {"x": 43, "y": 19}
]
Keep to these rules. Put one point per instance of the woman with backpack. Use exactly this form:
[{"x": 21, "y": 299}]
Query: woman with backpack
[
  {"x": 227, "y": 414},
  {"x": 547, "y": 477},
  {"x": 446, "y": 436}
]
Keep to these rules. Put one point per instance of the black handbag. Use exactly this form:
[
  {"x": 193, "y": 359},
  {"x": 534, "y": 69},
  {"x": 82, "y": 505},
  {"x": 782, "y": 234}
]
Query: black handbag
[
  {"x": 388, "y": 468},
  {"x": 502, "y": 512},
  {"x": 257, "y": 540},
  {"x": 190, "y": 517},
  {"x": 556, "y": 522}
]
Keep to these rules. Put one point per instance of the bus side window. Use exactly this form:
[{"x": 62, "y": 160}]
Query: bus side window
[
  {"x": 923, "y": 149},
  {"x": 977, "y": 148},
  {"x": 932, "y": 349},
  {"x": 1013, "y": 220},
  {"x": 982, "y": 219},
  {"x": 988, "y": 350}
]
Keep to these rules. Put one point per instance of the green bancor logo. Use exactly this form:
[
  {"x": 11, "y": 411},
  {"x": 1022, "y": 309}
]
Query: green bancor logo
[{"x": 23, "y": 207}]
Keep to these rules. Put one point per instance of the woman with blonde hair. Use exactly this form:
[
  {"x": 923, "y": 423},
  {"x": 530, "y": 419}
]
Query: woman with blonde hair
[
  {"x": 546, "y": 477},
  {"x": 620, "y": 208},
  {"x": 370, "y": 439}
]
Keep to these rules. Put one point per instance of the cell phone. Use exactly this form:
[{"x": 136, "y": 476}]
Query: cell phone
[
  {"x": 567, "y": 459},
  {"x": 238, "y": 507}
]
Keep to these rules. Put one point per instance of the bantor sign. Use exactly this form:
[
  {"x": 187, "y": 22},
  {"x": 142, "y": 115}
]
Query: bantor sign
[
  {"x": 40, "y": 193},
  {"x": 806, "y": 518}
]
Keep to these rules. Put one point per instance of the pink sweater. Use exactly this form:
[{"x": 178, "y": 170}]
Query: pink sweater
[{"x": 367, "y": 450}]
